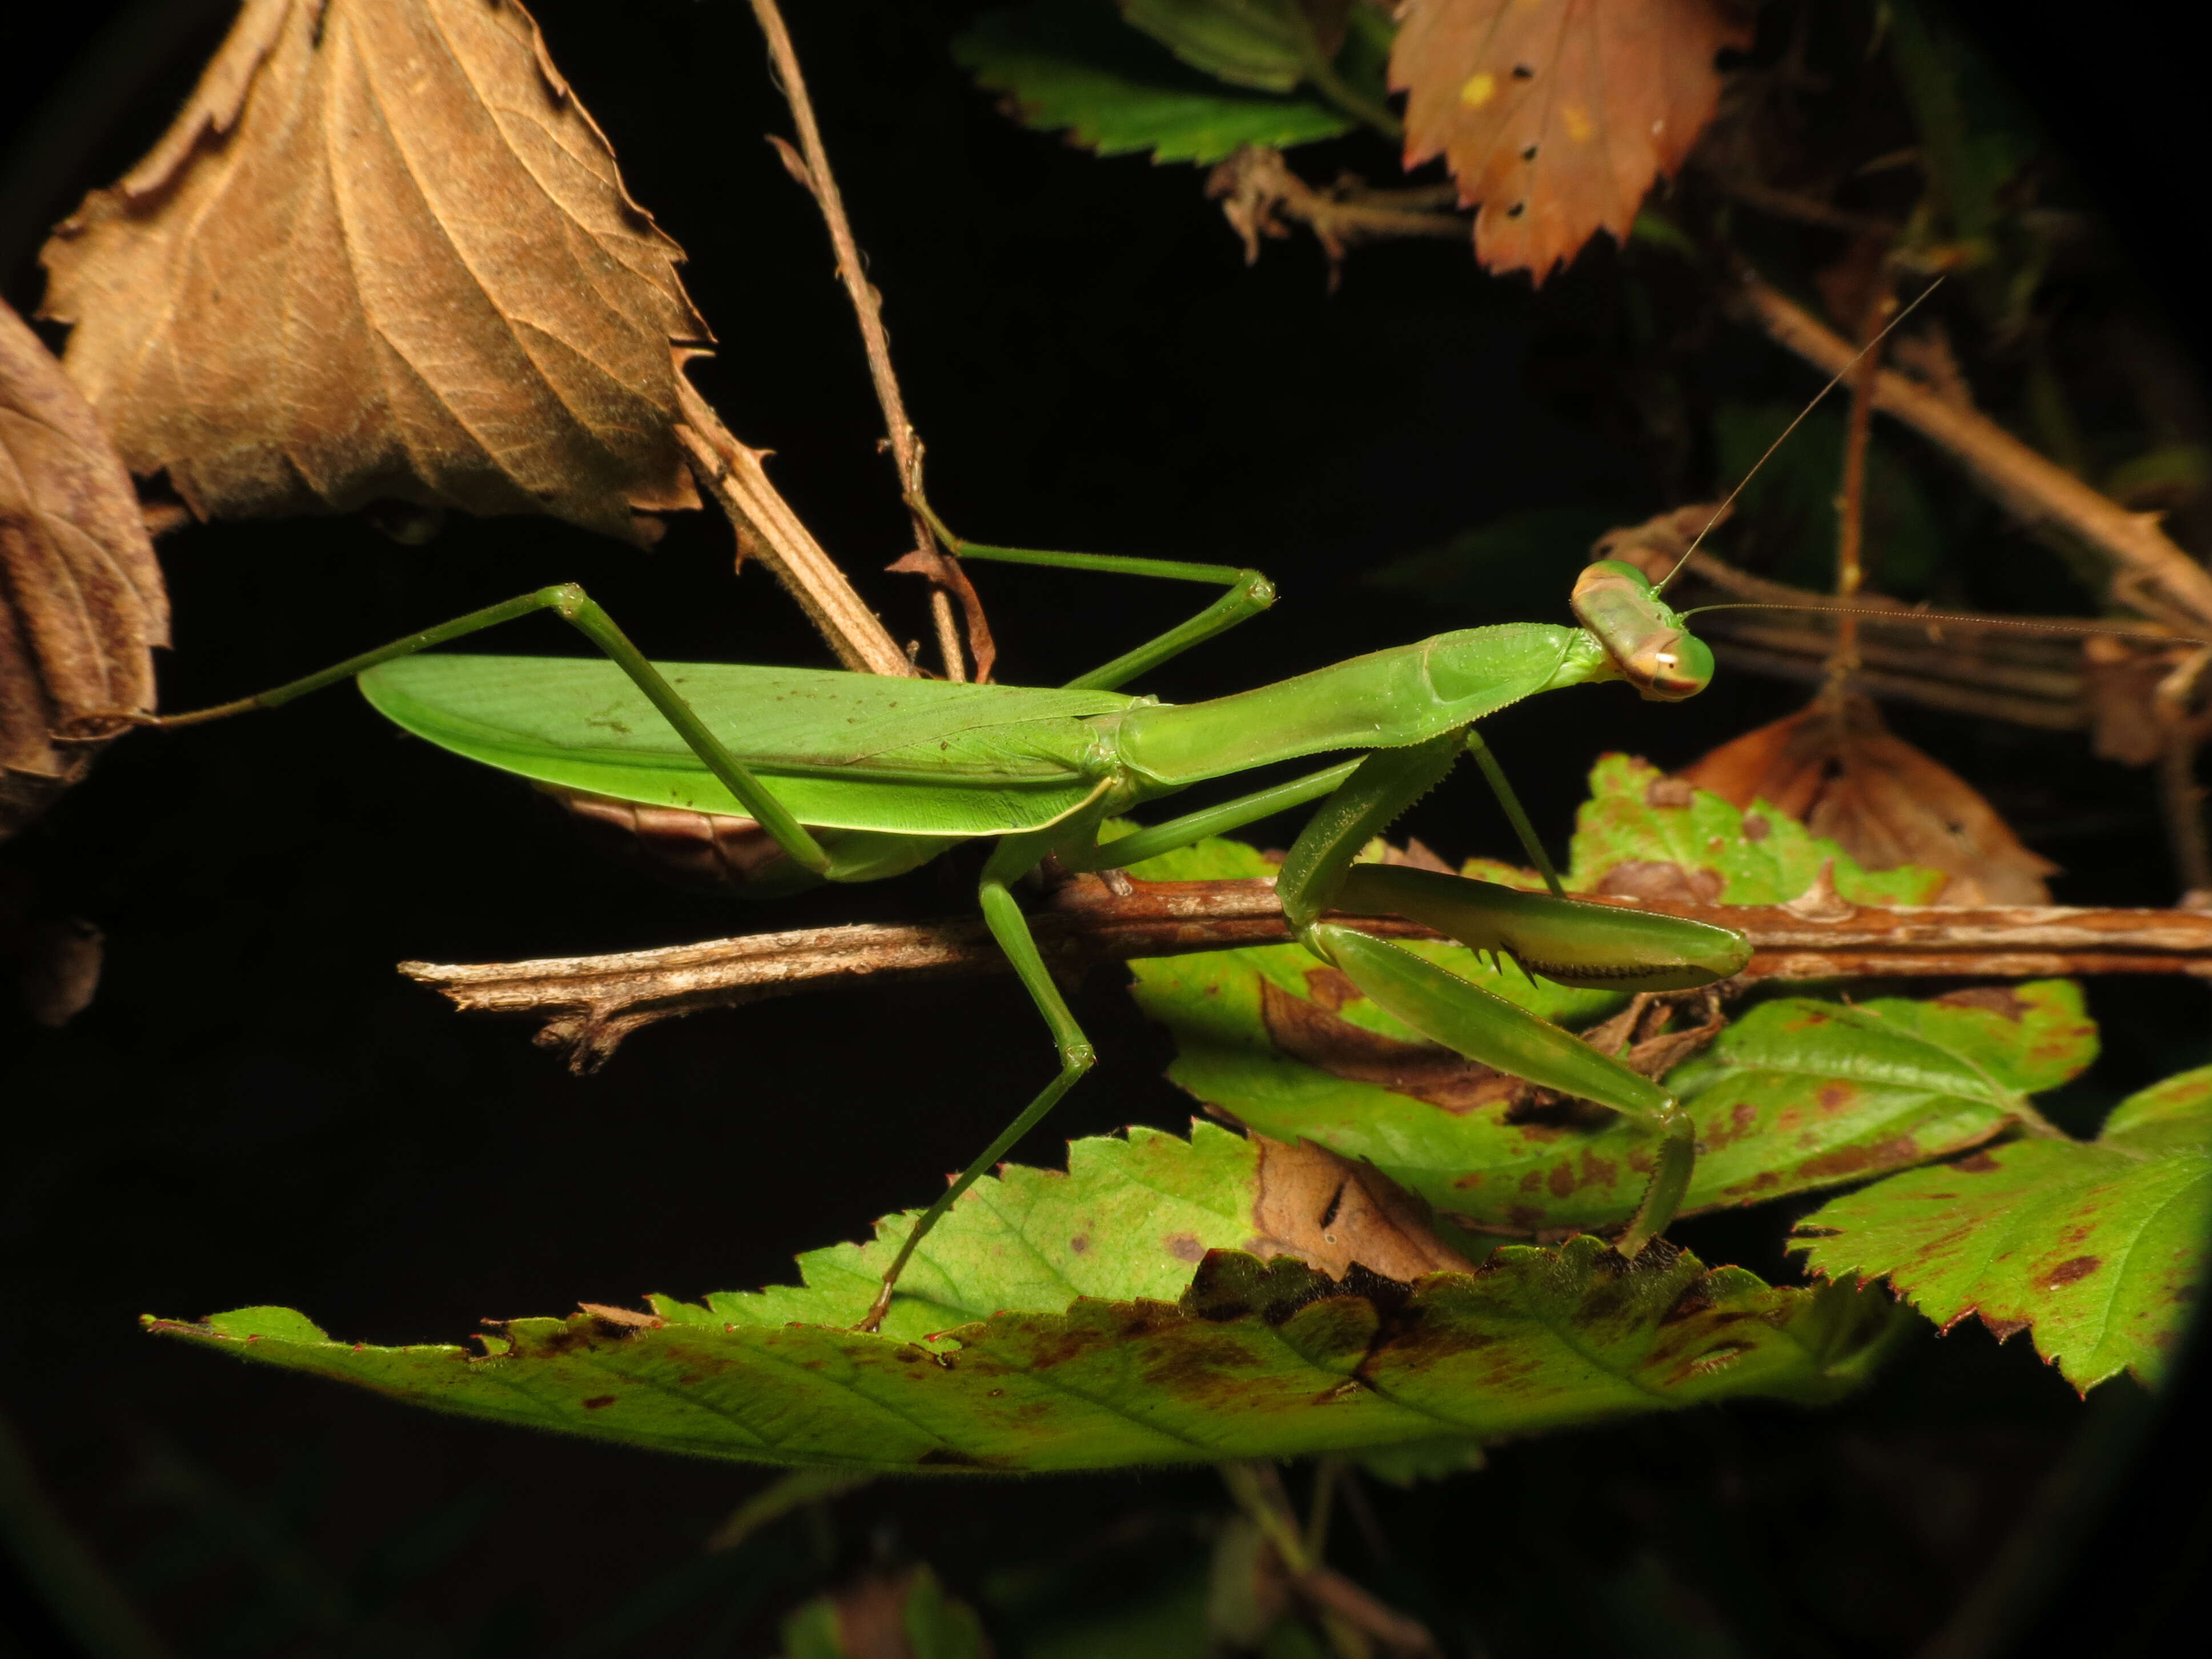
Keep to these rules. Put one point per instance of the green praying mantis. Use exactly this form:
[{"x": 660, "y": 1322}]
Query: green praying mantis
[{"x": 855, "y": 777}]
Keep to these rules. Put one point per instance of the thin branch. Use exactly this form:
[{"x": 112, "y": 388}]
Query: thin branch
[
  {"x": 1260, "y": 197},
  {"x": 1807, "y": 210},
  {"x": 2030, "y": 485},
  {"x": 1850, "y": 527},
  {"x": 811, "y": 168},
  {"x": 1803, "y": 655},
  {"x": 768, "y": 530},
  {"x": 590, "y": 1003}
]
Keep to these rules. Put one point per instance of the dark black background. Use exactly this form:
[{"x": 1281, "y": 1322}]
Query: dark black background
[{"x": 259, "y": 1110}]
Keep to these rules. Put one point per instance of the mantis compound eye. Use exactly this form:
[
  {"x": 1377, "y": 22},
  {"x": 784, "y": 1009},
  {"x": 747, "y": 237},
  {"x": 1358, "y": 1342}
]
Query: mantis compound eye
[{"x": 1640, "y": 632}]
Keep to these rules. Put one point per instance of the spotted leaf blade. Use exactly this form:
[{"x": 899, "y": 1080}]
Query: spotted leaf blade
[
  {"x": 1084, "y": 1363},
  {"x": 2097, "y": 1249}
]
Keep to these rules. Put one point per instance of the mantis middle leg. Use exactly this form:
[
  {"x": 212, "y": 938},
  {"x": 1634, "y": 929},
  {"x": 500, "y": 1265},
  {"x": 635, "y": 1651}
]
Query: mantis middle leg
[
  {"x": 1014, "y": 857},
  {"x": 1248, "y": 593}
]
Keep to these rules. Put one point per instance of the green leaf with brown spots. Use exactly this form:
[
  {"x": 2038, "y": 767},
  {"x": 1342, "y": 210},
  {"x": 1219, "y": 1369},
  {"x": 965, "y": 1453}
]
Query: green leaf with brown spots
[
  {"x": 1797, "y": 1095},
  {"x": 1073, "y": 65},
  {"x": 2097, "y": 1249},
  {"x": 1070, "y": 1334},
  {"x": 1643, "y": 833}
]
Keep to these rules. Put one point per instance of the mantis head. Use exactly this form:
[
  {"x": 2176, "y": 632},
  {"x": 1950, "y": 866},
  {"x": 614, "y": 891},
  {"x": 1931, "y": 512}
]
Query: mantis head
[{"x": 1646, "y": 639}]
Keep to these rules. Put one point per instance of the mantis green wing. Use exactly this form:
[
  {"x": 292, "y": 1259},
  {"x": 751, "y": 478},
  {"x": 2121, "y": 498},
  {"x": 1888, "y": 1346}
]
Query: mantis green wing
[{"x": 843, "y": 751}]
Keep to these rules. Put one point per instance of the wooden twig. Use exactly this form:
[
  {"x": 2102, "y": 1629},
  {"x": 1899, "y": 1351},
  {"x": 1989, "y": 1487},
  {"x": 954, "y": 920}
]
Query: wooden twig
[
  {"x": 768, "y": 530},
  {"x": 2031, "y": 486},
  {"x": 590, "y": 1003},
  {"x": 1850, "y": 523},
  {"x": 1259, "y": 195},
  {"x": 811, "y": 166},
  {"x": 1807, "y": 210}
]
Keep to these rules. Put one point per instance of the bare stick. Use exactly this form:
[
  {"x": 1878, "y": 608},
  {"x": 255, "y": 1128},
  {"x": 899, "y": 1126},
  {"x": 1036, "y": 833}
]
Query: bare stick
[
  {"x": 1850, "y": 527},
  {"x": 2031, "y": 486},
  {"x": 590, "y": 1003},
  {"x": 811, "y": 166},
  {"x": 770, "y": 531},
  {"x": 1260, "y": 197}
]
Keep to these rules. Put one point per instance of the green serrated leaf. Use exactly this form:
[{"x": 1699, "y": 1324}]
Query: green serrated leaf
[
  {"x": 1798, "y": 1095},
  {"x": 1069, "y": 64},
  {"x": 2097, "y": 1249},
  {"x": 1265, "y": 44},
  {"x": 1762, "y": 856},
  {"x": 1247, "y": 1360}
]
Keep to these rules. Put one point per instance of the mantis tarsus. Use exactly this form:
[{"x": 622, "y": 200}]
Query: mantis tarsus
[{"x": 855, "y": 777}]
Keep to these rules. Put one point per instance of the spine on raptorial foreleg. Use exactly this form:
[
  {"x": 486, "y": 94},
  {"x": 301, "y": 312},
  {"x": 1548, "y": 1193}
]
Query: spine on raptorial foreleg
[{"x": 1387, "y": 700}]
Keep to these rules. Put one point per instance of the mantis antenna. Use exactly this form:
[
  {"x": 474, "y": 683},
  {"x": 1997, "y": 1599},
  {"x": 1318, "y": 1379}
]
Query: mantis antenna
[
  {"x": 1857, "y": 357},
  {"x": 2076, "y": 627}
]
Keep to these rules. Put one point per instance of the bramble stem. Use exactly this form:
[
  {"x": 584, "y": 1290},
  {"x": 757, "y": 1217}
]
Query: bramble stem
[{"x": 812, "y": 168}]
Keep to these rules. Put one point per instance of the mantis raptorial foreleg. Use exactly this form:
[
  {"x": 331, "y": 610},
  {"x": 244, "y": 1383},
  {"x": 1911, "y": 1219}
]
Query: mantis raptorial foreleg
[{"x": 1579, "y": 942}]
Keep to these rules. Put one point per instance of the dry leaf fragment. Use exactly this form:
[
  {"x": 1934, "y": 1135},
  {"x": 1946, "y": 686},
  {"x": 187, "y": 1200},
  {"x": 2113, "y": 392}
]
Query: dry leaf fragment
[
  {"x": 383, "y": 252},
  {"x": 81, "y": 604},
  {"x": 1835, "y": 767},
  {"x": 1557, "y": 115},
  {"x": 1331, "y": 1213},
  {"x": 1422, "y": 1071}
]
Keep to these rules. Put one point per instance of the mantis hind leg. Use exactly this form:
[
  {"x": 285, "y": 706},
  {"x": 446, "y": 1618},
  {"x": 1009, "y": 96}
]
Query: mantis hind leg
[
  {"x": 1248, "y": 593},
  {"x": 581, "y": 611},
  {"x": 1015, "y": 857},
  {"x": 1471, "y": 1021}
]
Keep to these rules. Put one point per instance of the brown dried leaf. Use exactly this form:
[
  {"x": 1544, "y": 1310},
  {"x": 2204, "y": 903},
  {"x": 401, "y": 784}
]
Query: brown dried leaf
[
  {"x": 1422, "y": 1071},
  {"x": 81, "y": 604},
  {"x": 383, "y": 253},
  {"x": 2122, "y": 682},
  {"x": 1331, "y": 1213},
  {"x": 1557, "y": 115},
  {"x": 1659, "y": 543},
  {"x": 1836, "y": 769}
]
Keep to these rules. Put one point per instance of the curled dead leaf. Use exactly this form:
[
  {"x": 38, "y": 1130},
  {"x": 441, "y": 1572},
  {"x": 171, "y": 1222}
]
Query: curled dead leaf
[
  {"x": 81, "y": 604},
  {"x": 1331, "y": 1213},
  {"x": 1308, "y": 1031},
  {"x": 1557, "y": 115},
  {"x": 383, "y": 252},
  {"x": 1836, "y": 769}
]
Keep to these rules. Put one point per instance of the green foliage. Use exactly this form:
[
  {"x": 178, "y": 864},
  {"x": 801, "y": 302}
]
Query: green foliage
[
  {"x": 935, "y": 1626},
  {"x": 1519, "y": 567},
  {"x": 1251, "y": 1359},
  {"x": 1636, "y": 817},
  {"x": 1974, "y": 135},
  {"x": 1267, "y": 44},
  {"x": 1786, "y": 1100},
  {"x": 2096, "y": 1248},
  {"x": 1071, "y": 64},
  {"x": 1798, "y": 1095},
  {"x": 1791, "y": 500}
]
